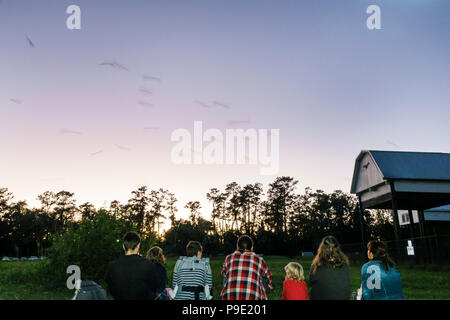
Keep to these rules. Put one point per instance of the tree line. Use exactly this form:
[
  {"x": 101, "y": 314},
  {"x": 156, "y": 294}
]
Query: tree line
[{"x": 281, "y": 220}]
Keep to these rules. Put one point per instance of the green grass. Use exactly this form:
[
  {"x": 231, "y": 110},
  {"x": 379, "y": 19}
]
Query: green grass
[{"x": 20, "y": 280}]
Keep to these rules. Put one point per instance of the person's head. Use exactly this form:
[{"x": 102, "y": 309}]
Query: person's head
[
  {"x": 244, "y": 243},
  {"x": 194, "y": 249},
  {"x": 294, "y": 271},
  {"x": 156, "y": 255},
  {"x": 131, "y": 243},
  {"x": 329, "y": 254},
  {"x": 377, "y": 250}
]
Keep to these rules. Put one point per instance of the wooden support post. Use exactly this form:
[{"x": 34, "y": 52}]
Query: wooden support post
[
  {"x": 411, "y": 223},
  {"x": 421, "y": 225},
  {"x": 361, "y": 224},
  {"x": 396, "y": 223},
  {"x": 425, "y": 253}
]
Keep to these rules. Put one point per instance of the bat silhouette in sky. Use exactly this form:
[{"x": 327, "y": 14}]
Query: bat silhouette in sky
[
  {"x": 393, "y": 144},
  {"x": 146, "y": 104},
  {"x": 122, "y": 147},
  {"x": 16, "y": 101},
  {"x": 114, "y": 64},
  {"x": 96, "y": 153},
  {"x": 145, "y": 91},
  {"x": 64, "y": 131},
  {"x": 221, "y": 104},
  {"x": 30, "y": 43},
  {"x": 202, "y": 104},
  {"x": 151, "y": 78}
]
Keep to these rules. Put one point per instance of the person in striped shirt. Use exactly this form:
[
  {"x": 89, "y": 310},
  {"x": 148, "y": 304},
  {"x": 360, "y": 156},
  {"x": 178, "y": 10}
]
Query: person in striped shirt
[
  {"x": 246, "y": 274},
  {"x": 192, "y": 276}
]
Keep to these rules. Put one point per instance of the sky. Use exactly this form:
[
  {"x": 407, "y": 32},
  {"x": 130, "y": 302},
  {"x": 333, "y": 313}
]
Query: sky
[{"x": 311, "y": 69}]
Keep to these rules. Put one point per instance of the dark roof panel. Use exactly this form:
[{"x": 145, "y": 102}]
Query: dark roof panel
[{"x": 413, "y": 165}]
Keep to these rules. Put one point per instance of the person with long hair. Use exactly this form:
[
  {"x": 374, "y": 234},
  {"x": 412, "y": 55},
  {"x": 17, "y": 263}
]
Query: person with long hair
[
  {"x": 380, "y": 278},
  {"x": 156, "y": 256},
  {"x": 329, "y": 277}
]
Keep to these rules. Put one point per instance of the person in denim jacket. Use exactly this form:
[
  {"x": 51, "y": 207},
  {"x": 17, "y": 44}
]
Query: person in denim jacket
[{"x": 380, "y": 276}]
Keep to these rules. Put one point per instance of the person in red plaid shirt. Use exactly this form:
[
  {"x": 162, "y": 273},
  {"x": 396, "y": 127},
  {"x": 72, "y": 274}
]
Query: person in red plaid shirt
[{"x": 246, "y": 274}]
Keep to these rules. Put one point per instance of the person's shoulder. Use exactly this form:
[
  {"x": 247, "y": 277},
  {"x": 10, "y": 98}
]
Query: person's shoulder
[
  {"x": 159, "y": 267},
  {"x": 141, "y": 259},
  {"x": 205, "y": 260},
  {"x": 230, "y": 256},
  {"x": 154, "y": 265},
  {"x": 116, "y": 261},
  {"x": 288, "y": 282},
  {"x": 256, "y": 256},
  {"x": 371, "y": 263},
  {"x": 183, "y": 258}
]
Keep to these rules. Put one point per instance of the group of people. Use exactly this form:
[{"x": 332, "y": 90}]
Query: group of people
[{"x": 246, "y": 276}]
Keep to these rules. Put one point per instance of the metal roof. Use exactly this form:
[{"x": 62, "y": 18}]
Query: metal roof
[
  {"x": 413, "y": 165},
  {"x": 439, "y": 209},
  {"x": 421, "y": 179}
]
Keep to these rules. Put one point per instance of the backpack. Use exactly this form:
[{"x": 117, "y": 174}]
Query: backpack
[
  {"x": 89, "y": 290},
  {"x": 192, "y": 263}
]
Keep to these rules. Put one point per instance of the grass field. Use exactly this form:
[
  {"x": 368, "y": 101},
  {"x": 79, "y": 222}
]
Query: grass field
[{"x": 18, "y": 280}]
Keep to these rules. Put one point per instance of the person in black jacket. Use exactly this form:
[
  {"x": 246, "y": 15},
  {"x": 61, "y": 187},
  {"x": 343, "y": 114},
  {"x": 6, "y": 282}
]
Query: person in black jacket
[
  {"x": 132, "y": 277},
  {"x": 329, "y": 277}
]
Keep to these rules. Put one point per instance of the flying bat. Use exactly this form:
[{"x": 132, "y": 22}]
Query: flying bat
[
  {"x": 64, "y": 131},
  {"x": 220, "y": 104},
  {"x": 202, "y": 104},
  {"x": 151, "y": 78},
  {"x": 145, "y": 91},
  {"x": 122, "y": 148},
  {"x": 392, "y": 143},
  {"x": 30, "y": 42},
  {"x": 146, "y": 104},
  {"x": 96, "y": 153},
  {"x": 16, "y": 101},
  {"x": 114, "y": 64}
]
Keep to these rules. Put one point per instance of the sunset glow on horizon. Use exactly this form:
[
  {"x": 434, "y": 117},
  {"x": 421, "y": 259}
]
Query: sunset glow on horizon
[{"x": 92, "y": 111}]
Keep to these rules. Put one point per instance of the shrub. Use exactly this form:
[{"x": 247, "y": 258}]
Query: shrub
[{"x": 91, "y": 245}]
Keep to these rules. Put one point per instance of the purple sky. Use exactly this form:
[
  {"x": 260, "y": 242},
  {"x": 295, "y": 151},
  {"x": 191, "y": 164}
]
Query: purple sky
[{"x": 309, "y": 68}]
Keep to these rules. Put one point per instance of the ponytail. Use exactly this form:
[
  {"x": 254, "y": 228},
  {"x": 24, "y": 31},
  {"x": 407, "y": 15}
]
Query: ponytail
[{"x": 380, "y": 252}]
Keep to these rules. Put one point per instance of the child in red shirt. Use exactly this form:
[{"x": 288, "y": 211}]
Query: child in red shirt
[{"x": 294, "y": 286}]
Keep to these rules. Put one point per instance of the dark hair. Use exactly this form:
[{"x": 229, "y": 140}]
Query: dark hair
[
  {"x": 131, "y": 241},
  {"x": 156, "y": 255},
  {"x": 244, "y": 243},
  {"x": 379, "y": 250},
  {"x": 193, "y": 247},
  {"x": 329, "y": 254}
]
